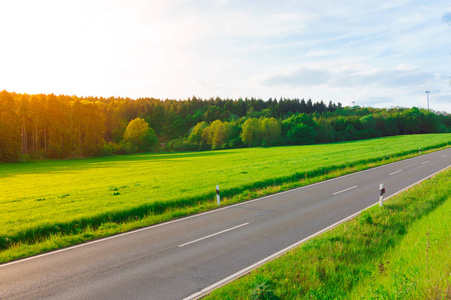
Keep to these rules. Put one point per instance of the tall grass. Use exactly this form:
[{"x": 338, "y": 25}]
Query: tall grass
[
  {"x": 400, "y": 251},
  {"x": 420, "y": 266},
  {"x": 58, "y": 203}
]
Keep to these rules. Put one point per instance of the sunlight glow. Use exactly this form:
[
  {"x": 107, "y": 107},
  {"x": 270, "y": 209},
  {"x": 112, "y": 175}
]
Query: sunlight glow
[{"x": 176, "y": 49}]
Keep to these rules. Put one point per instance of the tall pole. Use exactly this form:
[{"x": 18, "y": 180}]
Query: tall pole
[{"x": 427, "y": 93}]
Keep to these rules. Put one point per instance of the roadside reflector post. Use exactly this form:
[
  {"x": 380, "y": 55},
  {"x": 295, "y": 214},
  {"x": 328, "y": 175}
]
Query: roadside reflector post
[
  {"x": 218, "y": 199},
  {"x": 419, "y": 150},
  {"x": 381, "y": 194}
]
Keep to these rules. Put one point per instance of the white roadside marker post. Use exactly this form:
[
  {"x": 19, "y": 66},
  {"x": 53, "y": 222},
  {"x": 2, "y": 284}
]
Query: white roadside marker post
[
  {"x": 419, "y": 150},
  {"x": 218, "y": 199},
  {"x": 381, "y": 194}
]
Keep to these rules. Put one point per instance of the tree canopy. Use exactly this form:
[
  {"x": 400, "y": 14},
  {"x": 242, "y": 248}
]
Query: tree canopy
[
  {"x": 61, "y": 126},
  {"x": 140, "y": 135}
]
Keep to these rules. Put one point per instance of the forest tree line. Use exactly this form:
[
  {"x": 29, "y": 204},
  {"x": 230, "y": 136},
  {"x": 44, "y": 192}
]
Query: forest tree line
[{"x": 51, "y": 126}]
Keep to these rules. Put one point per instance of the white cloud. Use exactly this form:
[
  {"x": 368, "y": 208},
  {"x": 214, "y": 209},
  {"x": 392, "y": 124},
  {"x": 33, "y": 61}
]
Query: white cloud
[
  {"x": 351, "y": 76},
  {"x": 302, "y": 77}
]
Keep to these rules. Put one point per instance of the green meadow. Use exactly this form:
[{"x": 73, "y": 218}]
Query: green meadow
[
  {"x": 50, "y": 204},
  {"x": 399, "y": 251}
]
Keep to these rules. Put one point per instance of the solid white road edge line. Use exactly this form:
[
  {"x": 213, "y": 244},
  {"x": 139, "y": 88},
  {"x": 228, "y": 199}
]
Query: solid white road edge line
[
  {"x": 265, "y": 260},
  {"x": 395, "y": 172},
  {"x": 205, "y": 213},
  {"x": 211, "y": 235},
  {"x": 247, "y": 270},
  {"x": 353, "y": 187}
]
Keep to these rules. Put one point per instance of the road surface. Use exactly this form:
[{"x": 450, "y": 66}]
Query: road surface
[{"x": 179, "y": 259}]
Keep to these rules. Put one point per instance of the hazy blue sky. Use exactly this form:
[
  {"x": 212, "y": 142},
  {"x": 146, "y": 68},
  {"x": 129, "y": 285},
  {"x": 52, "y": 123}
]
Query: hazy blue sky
[{"x": 376, "y": 53}]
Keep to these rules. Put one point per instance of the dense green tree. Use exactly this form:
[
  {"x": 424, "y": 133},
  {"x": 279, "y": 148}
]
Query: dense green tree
[
  {"x": 34, "y": 109},
  {"x": 10, "y": 134},
  {"x": 23, "y": 104},
  {"x": 410, "y": 121},
  {"x": 271, "y": 131},
  {"x": 209, "y": 132},
  {"x": 367, "y": 122},
  {"x": 196, "y": 133},
  {"x": 223, "y": 133},
  {"x": 61, "y": 135},
  {"x": 251, "y": 132},
  {"x": 390, "y": 127},
  {"x": 301, "y": 134},
  {"x": 140, "y": 135},
  {"x": 351, "y": 133},
  {"x": 89, "y": 127},
  {"x": 157, "y": 118},
  {"x": 299, "y": 129}
]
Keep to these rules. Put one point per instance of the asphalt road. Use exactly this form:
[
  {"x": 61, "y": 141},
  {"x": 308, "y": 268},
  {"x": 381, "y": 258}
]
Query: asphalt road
[{"x": 179, "y": 259}]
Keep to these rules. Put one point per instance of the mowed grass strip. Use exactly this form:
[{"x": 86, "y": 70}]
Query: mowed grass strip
[
  {"x": 399, "y": 251},
  {"x": 71, "y": 200}
]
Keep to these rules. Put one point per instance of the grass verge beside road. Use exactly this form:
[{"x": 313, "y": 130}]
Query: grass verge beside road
[
  {"x": 400, "y": 251},
  {"x": 49, "y": 205}
]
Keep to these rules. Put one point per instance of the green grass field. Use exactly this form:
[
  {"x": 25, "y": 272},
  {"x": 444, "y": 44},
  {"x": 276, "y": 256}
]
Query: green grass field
[
  {"x": 58, "y": 203},
  {"x": 400, "y": 251}
]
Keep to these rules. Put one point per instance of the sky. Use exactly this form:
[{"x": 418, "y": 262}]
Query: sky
[{"x": 372, "y": 53}]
